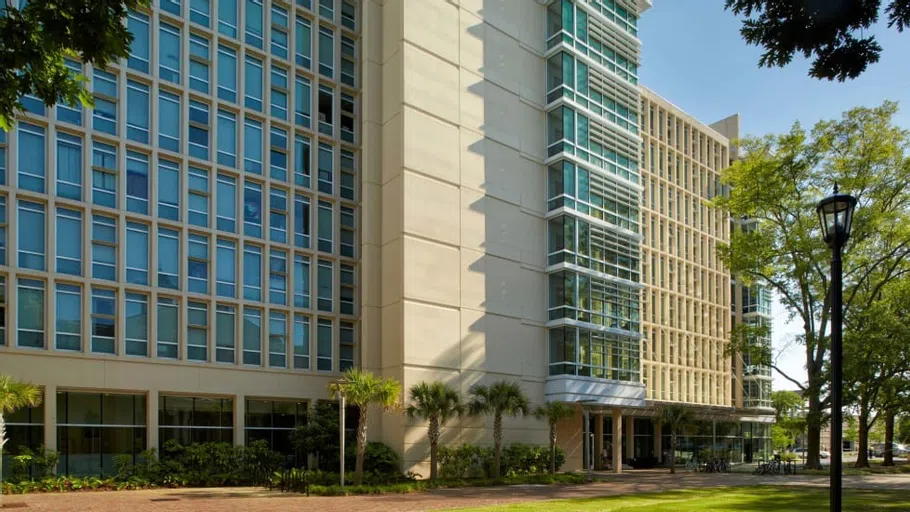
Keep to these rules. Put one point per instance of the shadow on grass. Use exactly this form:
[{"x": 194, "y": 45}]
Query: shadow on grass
[{"x": 731, "y": 499}]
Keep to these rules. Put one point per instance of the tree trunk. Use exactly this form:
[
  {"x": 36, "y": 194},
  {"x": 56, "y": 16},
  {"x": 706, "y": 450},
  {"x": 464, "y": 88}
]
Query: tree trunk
[
  {"x": 889, "y": 438},
  {"x": 497, "y": 443},
  {"x": 361, "y": 446},
  {"x": 814, "y": 431},
  {"x": 434, "y": 447},
  {"x": 862, "y": 455},
  {"x": 672, "y": 452},
  {"x": 552, "y": 448}
]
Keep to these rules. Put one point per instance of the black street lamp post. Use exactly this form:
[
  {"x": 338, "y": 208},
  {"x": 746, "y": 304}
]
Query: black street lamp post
[{"x": 836, "y": 215}]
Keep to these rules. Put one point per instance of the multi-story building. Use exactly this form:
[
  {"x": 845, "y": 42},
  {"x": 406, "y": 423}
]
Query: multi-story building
[{"x": 483, "y": 208}]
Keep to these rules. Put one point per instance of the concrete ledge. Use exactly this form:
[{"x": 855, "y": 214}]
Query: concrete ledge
[{"x": 571, "y": 388}]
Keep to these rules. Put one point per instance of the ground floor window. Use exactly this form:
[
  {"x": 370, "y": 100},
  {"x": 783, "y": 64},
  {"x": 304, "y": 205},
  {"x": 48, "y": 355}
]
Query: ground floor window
[
  {"x": 24, "y": 431},
  {"x": 274, "y": 421},
  {"x": 94, "y": 428},
  {"x": 189, "y": 420}
]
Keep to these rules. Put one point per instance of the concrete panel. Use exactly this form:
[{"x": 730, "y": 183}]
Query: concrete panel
[
  {"x": 500, "y": 286},
  {"x": 431, "y": 146},
  {"x": 431, "y": 272},
  {"x": 392, "y": 271},
  {"x": 392, "y": 209},
  {"x": 431, "y": 338},
  {"x": 433, "y": 26},
  {"x": 431, "y": 209},
  {"x": 392, "y": 28},
  {"x": 502, "y": 229},
  {"x": 430, "y": 83}
]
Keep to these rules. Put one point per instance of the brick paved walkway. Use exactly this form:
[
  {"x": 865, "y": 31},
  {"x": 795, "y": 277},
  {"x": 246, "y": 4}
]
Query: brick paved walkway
[{"x": 257, "y": 500}]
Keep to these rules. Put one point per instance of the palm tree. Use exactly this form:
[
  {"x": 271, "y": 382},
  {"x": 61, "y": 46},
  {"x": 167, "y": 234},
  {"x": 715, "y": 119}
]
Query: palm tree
[
  {"x": 553, "y": 412},
  {"x": 362, "y": 389},
  {"x": 436, "y": 402},
  {"x": 14, "y": 395},
  {"x": 502, "y": 397},
  {"x": 677, "y": 419}
]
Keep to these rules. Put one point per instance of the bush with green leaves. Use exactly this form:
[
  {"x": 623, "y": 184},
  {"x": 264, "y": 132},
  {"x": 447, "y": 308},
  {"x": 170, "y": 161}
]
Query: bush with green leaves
[
  {"x": 469, "y": 461},
  {"x": 377, "y": 458},
  {"x": 33, "y": 465}
]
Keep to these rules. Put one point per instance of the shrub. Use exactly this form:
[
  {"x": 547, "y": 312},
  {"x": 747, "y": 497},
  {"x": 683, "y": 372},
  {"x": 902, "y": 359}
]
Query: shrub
[
  {"x": 377, "y": 458},
  {"x": 33, "y": 465},
  {"x": 469, "y": 461}
]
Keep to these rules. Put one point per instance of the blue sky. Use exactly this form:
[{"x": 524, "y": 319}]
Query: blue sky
[{"x": 692, "y": 54}]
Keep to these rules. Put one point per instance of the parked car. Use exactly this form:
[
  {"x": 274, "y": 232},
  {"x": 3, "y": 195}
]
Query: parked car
[
  {"x": 803, "y": 453},
  {"x": 897, "y": 449},
  {"x": 824, "y": 454}
]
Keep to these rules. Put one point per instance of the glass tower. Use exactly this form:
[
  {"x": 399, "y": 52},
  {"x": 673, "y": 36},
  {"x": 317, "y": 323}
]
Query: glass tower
[{"x": 593, "y": 150}]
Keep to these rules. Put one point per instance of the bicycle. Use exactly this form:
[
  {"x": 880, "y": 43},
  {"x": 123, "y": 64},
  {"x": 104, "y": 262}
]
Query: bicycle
[{"x": 693, "y": 465}]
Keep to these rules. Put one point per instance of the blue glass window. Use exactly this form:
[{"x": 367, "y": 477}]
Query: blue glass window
[
  {"x": 137, "y": 111},
  {"x": 169, "y": 121},
  {"x": 168, "y": 190},
  {"x": 348, "y": 175},
  {"x": 278, "y": 154},
  {"x": 252, "y": 91},
  {"x": 137, "y": 324},
  {"x": 69, "y": 166},
  {"x": 227, "y": 203},
  {"x": 324, "y": 227},
  {"x": 171, "y": 6},
  {"x": 252, "y": 336},
  {"x": 137, "y": 182},
  {"x": 278, "y": 339},
  {"x": 301, "y": 221},
  {"x": 302, "y": 161},
  {"x": 348, "y": 62},
  {"x": 227, "y": 73},
  {"x": 199, "y": 130},
  {"x": 66, "y": 113},
  {"x": 137, "y": 253},
  {"x": 346, "y": 289},
  {"x": 198, "y": 197},
  {"x": 168, "y": 262},
  {"x": 104, "y": 247},
  {"x": 345, "y": 346},
  {"x": 301, "y": 281},
  {"x": 2, "y": 238},
  {"x": 302, "y": 101},
  {"x": 198, "y": 264},
  {"x": 254, "y": 23},
  {"x": 324, "y": 345},
  {"x": 226, "y": 272},
  {"x": 252, "y": 209},
  {"x": 32, "y": 161},
  {"x": 200, "y": 12},
  {"x": 346, "y": 239},
  {"x": 199, "y": 63},
  {"x": 252, "y": 272},
  {"x": 326, "y": 107},
  {"x": 278, "y": 277},
  {"x": 327, "y": 9},
  {"x": 3, "y": 147},
  {"x": 30, "y": 314},
  {"x": 279, "y": 32},
  {"x": 348, "y": 14},
  {"x": 252, "y": 146},
  {"x": 138, "y": 25},
  {"x": 346, "y": 121},
  {"x": 168, "y": 316},
  {"x": 326, "y": 52},
  {"x": 279, "y": 93},
  {"x": 278, "y": 215},
  {"x": 303, "y": 49},
  {"x": 326, "y": 168},
  {"x": 324, "y": 285},
  {"x": 197, "y": 331},
  {"x": 301, "y": 342},
  {"x": 32, "y": 229},
  {"x": 225, "y": 333},
  {"x": 68, "y": 317},
  {"x": 104, "y": 174},
  {"x": 69, "y": 241},
  {"x": 227, "y": 138},
  {"x": 104, "y": 115},
  {"x": 227, "y": 17},
  {"x": 104, "y": 320}
]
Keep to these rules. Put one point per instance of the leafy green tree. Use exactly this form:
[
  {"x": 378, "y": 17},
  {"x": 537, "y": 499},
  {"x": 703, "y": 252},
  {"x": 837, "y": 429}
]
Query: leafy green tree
[
  {"x": 834, "y": 33},
  {"x": 678, "y": 419},
  {"x": 436, "y": 403},
  {"x": 789, "y": 423},
  {"x": 319, "y": 435},
  {"x": 363, "y": 389},
  {"x": 498, "y": 399},
  {"x": 553, "y": 412},
  {"x": 777, "y": 184},
  {"x": 14, "y": 395},
  {"x": 34, "y": 40}
]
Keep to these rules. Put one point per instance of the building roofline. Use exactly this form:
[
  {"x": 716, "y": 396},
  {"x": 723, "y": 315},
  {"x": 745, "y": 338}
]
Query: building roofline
[{"x": 694, "y": 120}]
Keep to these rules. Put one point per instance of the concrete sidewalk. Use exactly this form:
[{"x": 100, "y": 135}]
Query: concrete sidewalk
[{"x": 258, "y": 500}]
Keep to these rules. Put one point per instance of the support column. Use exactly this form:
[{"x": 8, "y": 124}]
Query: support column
[
  {"x": 658, "y": 440},
  {"x": 151, "y": 415},
  {"x": 630, "y": 438},
  {"x": 617, "y": 440},
  {"x": 50, "y": 417},
  {"x": 239, "y": 420},
  {"x": 598, "y": 441}
]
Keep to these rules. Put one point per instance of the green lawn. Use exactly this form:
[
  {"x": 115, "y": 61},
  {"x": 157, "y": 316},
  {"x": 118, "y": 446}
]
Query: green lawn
[{"x": 738, "y": 499}]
